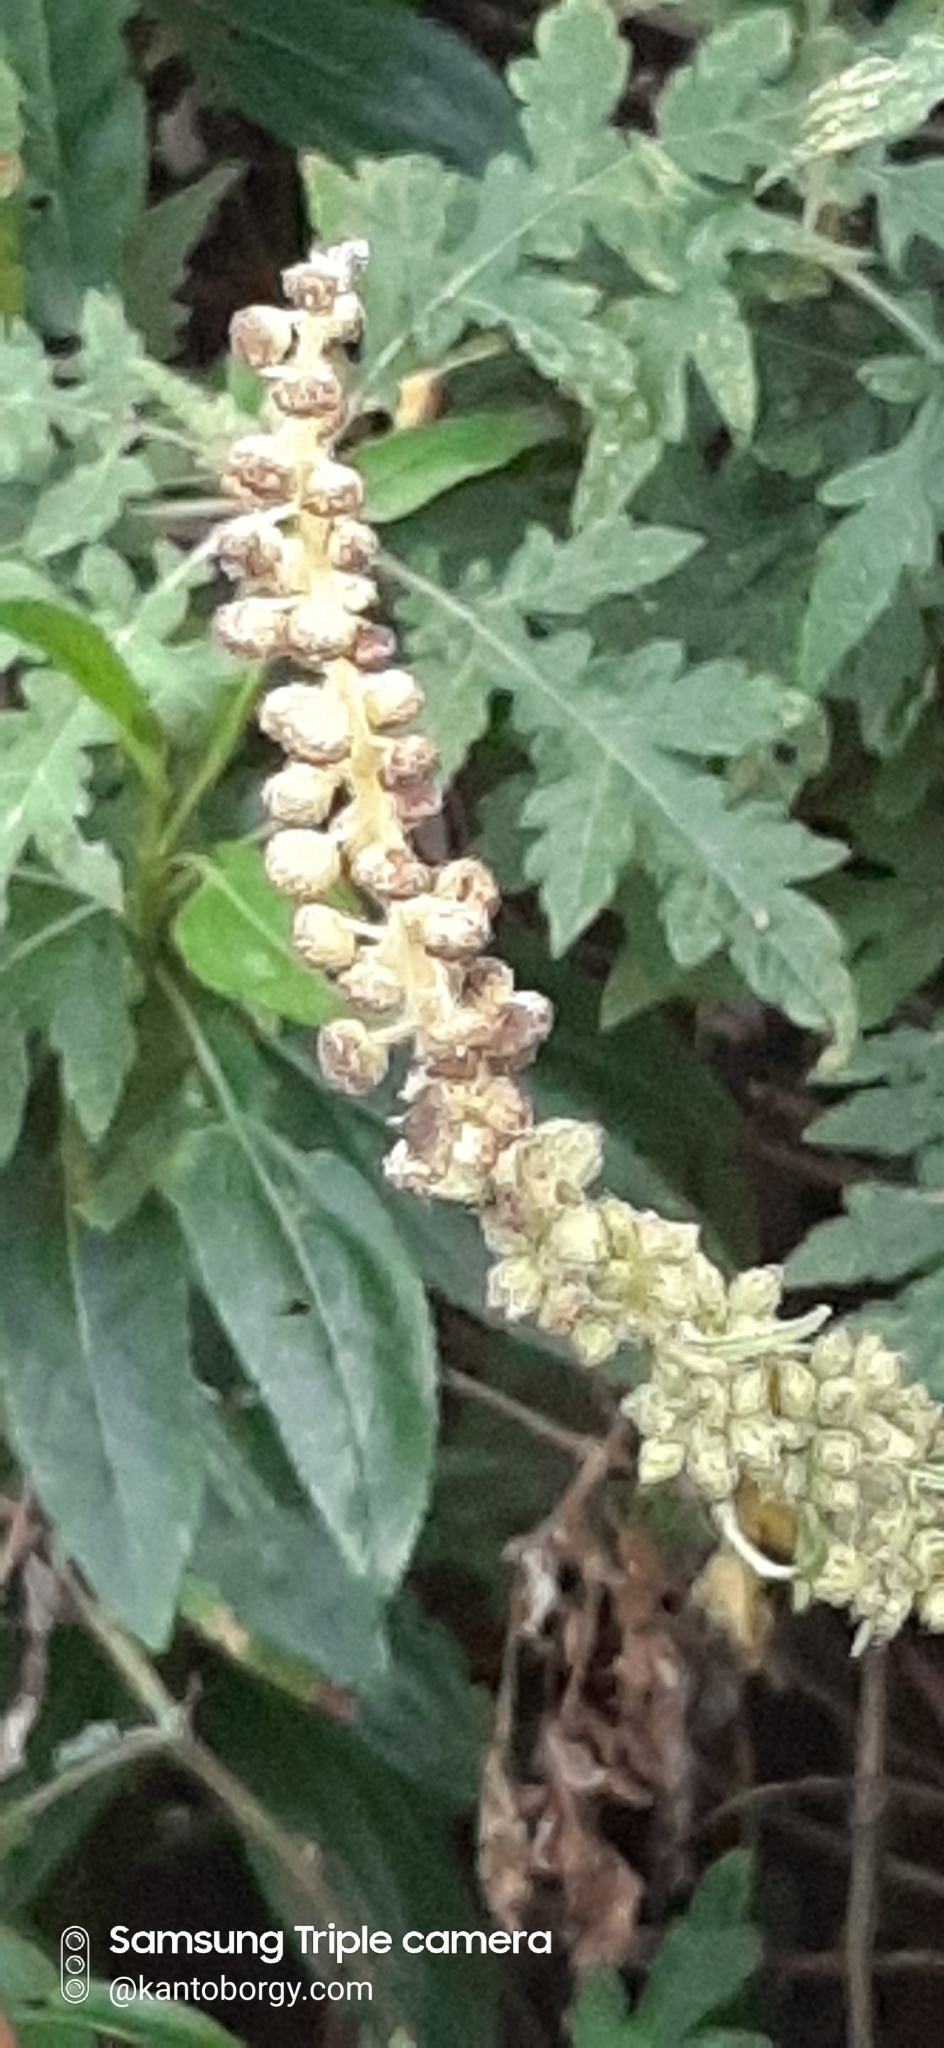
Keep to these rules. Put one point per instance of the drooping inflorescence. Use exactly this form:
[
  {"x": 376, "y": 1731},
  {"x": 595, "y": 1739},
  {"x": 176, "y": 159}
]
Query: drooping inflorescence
[{"x": 740, "y": 1402}]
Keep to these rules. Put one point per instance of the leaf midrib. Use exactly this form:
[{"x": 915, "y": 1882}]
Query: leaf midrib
[{"x": 534, "y": 679}]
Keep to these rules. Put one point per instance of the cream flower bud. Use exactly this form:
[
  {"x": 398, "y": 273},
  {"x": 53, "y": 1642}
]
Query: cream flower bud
[
  {"x": 332, "y": 488},
  {"x": 797, "y": 1390},
  {"x": 514, "y": 1288},
  {"x": 307, "y": 721},
  {"x": 660, "y": 1459},
  {"x": 837, "y": 1399},
  {"x": 302, "y": 863},
  {"x": 876, "y": 1367},
  {"x": 568, "y": 1152},
  {"x": 834, "y": 1496},
  {"x": 255, "y": 628},
  {"x": 350, "y": 1058},
  {"x": 261, "y": 335},
  {"x": 931, "y": 1607},
  {"x": 323, "y": 937},
  {"x": 836, "y": 1452},
  {"x": 755, "y": 1444},
  {"x": 300, "y": 794},
  {"x": 578, "y": 1237},
  {"x": 392, "y": 697},
  {"x": 594, "y": 1340},
  {"x": 710, "y": 1465},
  {"x": 318, "y": 634},
  {"x": 756, "y": 1294},
  {"x": 832, "y": 1353},
  {"x": 750, "y": 1391}
]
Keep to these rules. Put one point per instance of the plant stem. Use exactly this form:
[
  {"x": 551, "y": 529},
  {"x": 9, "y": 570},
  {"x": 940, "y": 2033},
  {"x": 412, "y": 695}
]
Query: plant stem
[
  {"x": 17, "y": 1817},
  {"x": 869, "y": 1799},
  {"x": 892, "y": 310},
  {"x": 300, "y": 1861},
  {"x": 568, "y": 1441}
]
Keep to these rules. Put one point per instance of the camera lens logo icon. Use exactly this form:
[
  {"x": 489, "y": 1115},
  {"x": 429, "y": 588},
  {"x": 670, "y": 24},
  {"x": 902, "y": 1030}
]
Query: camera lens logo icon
[{"x": 74, "y": 1965}]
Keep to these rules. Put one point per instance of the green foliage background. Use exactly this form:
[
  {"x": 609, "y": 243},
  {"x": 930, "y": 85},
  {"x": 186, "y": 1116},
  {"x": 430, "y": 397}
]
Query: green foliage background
[{"x": 669, "y": 564}]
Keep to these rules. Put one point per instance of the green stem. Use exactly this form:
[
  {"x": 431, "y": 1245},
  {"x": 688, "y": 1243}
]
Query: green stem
[
  {"x": 299, "y": 1860},
  {"x": 892, "y": 310},
  {"x": 17, "y": 1818},
  {"x": 220, "y": 750}
]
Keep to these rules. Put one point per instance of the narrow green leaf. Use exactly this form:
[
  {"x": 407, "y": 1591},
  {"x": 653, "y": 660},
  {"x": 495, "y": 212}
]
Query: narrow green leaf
[
  {"x": 373, "y": 77},
  {"x": 84, "y": 151},
  {"x": 278, "y": 1572},
  {"x": 306, "y": 1274},
  {"x": 409, "y": 467},
  {"x": 66, "y": 973},
  {"x": 235, "y": 936},
  {"x": 76, "y": 646},
  {"x": 102, "y": 1406}
]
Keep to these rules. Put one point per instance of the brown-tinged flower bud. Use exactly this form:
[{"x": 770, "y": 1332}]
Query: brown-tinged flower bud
[
  {"x": 302, "y": 863},
  {"x": 250, "y": 546},
  {"x": 416, "y": 801},
  {"x": 374, "y": 646},
  {"x": 353, "y": 546},
  {"x": 520, "y": 1028},
  {"x": 300, "y": 794},
  {"x": 369, "y": 986},
  {"x": 259, "y": 470},
  {"x": 408, "y": 760},
  {"x": 261, "y": 335},
  {"x": 307, "y": 721},
  {"x": 254, "y": 628},
  {"x": 448, "y": 930},
  {"x": 351, "y": 1059},
  {"x": 389, "y": 871},
  {"x": 332, "y": 489},
  {"x": 323, "y": 937},
  {"x": 468, "y": 881},
  {"x": 314, "y": 393},
  {"x": 392, "y": 698}
]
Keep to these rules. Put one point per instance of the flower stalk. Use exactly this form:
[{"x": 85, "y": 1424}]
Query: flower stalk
[{"x": 758, "y": 1414}]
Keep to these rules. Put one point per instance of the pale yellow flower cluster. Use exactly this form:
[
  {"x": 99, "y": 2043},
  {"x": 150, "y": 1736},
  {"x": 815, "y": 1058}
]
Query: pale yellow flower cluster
[{"x": 822, "y": 1428}]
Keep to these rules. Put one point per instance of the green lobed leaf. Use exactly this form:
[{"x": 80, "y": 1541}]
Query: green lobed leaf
[
  {"x": 155, "y": 259},
  {"x": 235, "y": 935},
  {"x": 863, "y": 559},
  {"x": 100, "y": 1398},
  {"x": 307, "y": 1276},
  {"x": 45, "y": 767}
]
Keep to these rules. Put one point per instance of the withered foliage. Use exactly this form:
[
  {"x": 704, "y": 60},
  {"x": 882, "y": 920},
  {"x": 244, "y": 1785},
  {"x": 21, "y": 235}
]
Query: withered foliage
[{"x": 589, "y": 1781}]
